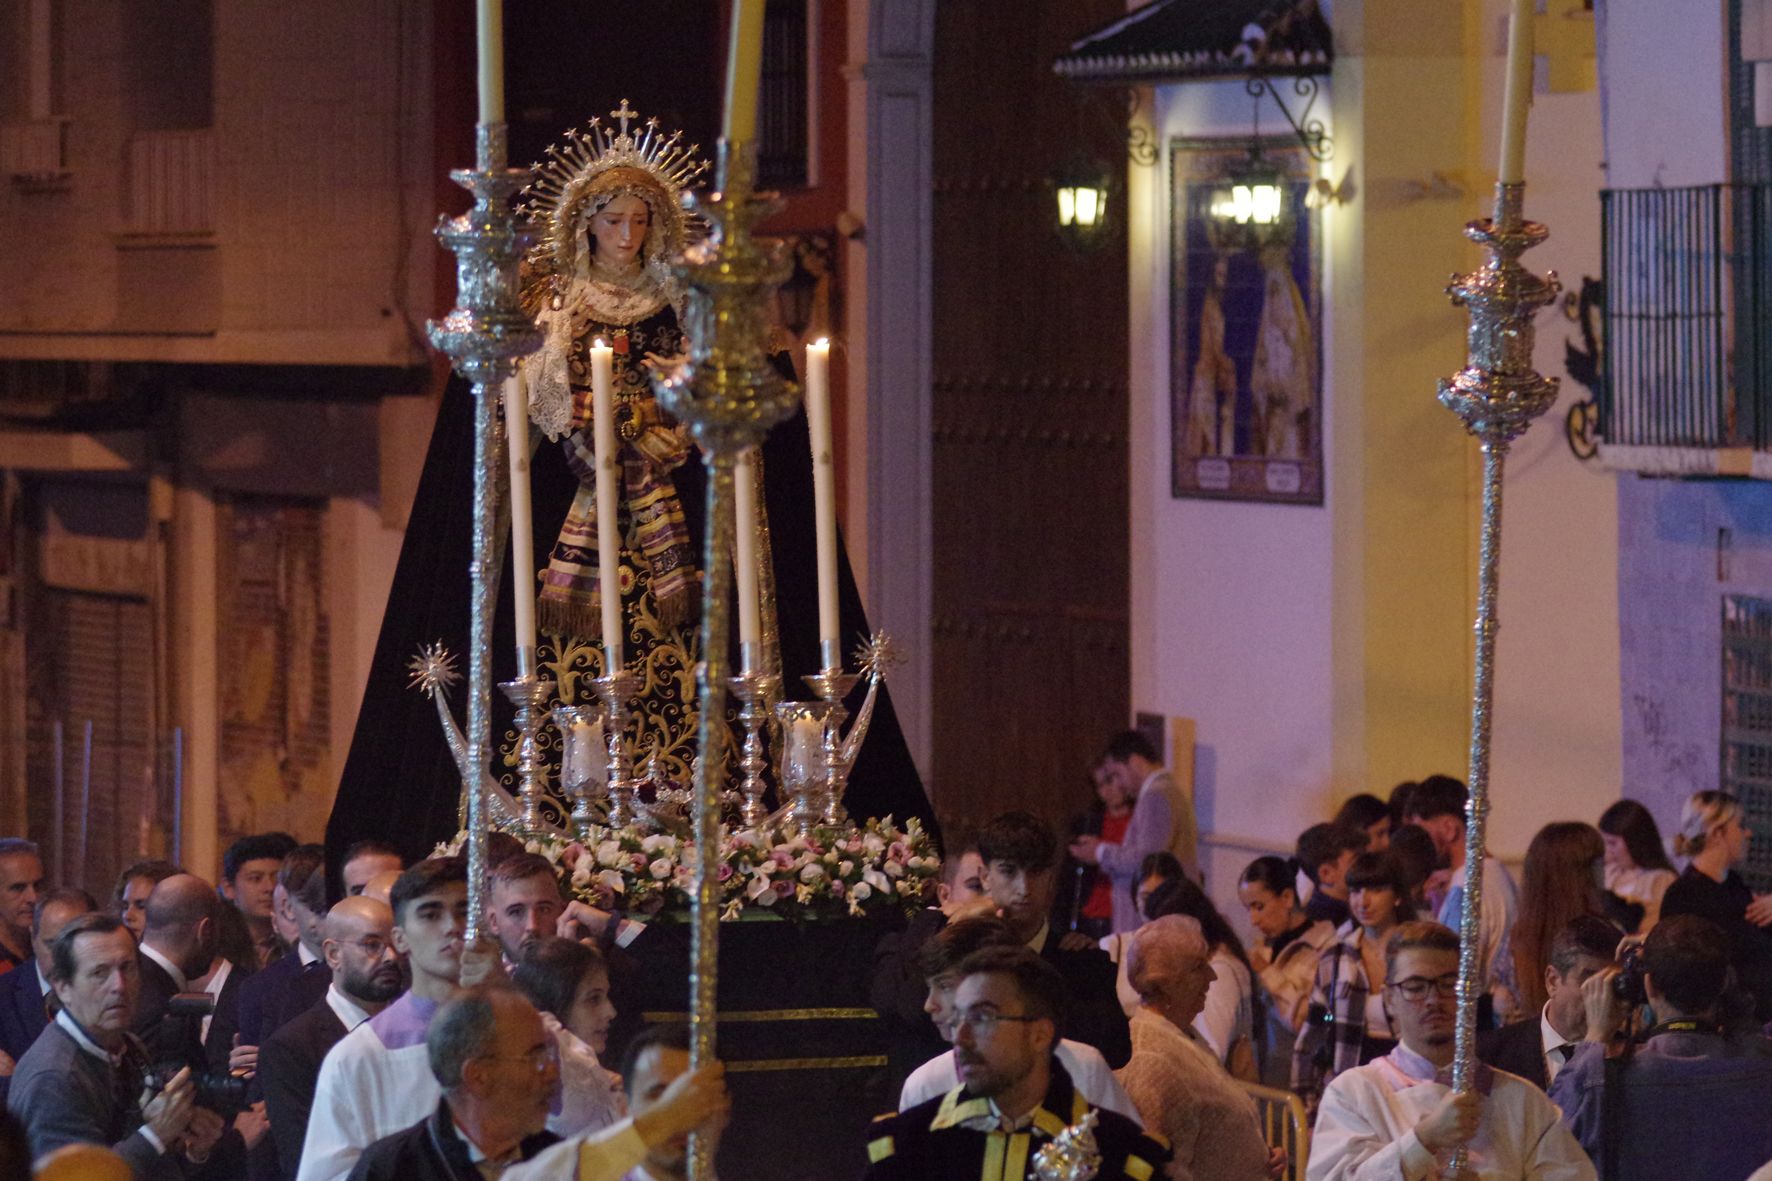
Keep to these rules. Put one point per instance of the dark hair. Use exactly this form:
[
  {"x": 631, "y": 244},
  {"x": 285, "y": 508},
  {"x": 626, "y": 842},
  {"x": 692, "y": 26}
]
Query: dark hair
[
  {"x": 303, "y": 876},
  {"x": 1322, "y": 843},
  {"x": 1163, "y": 863},
  {"x": 501, "y": 846},
  {"x": 1642, "y": 839},
  {"x": 369, "y": 846},
  {"x": 1584, "y": 935},
  {"x": 155, "y": 871},
  {"x": 1688, "y": 958},
  {"x": 60, "y": 896},
  {"x": 942, "y": 952},
  {"x": 521, "y": 867},
  {"x": 1182, "y": 895},
  {"x": 1556, "y": 884},
  {"x": 1415, "y": 854},
  {"x": 671, "y": 1036},
  {"x": 427, "y": 877},
  {"x": 465, "y": 1028},
  {"x": 1277, "y": 874},
  {"x": 1435, "y": 796},
  {"x": 1399, "y": 802},
  {"x": 1020, "y": 838},
  {"x": 1381, "y": 871},
  {"x": 1042, "y": 988},
  {"x": 1127, "y": 743},
  {"x": 1362, "y": 811},
  {"x": 1420, "y": 935},
  {"x": 266, "y": 846},
  {"x": 550, "y": 970},
  {"x": 19, "y": 847},
  {"x": 950, "y": 865},
  {"x": 63, "y": 965}
]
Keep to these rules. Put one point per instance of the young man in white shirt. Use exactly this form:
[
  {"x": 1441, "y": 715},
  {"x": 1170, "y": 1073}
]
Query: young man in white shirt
[
  {"x": 1397, "y": 1118},
  {"x": 378, "y": 1080}
]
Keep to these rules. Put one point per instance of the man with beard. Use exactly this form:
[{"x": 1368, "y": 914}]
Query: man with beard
[
  {"x": 1013, "y": 1098},
  {"x": 1397, "y": 1117},
  {"x": 377, "y": 1080},
  {"x": 525, "y": 903},
  {"x": 366, "y": 976}
]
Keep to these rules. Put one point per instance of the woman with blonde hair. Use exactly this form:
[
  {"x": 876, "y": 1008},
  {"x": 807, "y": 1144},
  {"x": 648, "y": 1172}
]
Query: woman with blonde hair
[{"x": 1714, "y": 838}]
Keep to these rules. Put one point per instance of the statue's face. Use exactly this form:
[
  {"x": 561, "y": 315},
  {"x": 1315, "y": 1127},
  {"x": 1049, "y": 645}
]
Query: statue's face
[{"x": 619, "y": 231}]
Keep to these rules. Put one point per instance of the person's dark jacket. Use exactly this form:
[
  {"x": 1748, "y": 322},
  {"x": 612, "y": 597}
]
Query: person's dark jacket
[
  {"x": 63, "y": 1095},
  {"x": 288, "y": 1069},
  {"x": 24, "y": 1013},
  {"x": 1725, "y": 904},
  {"x": 430, "y": 1150},
  {"x": 1096, "y": 1016},
  {"x": 1689, "y": 1105},
  {"x": 1517, "y": 1048}
]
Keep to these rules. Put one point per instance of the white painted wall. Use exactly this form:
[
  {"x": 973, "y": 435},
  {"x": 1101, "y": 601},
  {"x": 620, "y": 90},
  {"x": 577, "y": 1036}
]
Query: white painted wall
[
  {"x": 1230, "y": 602},
  {"x": 1662, "y": 69}
]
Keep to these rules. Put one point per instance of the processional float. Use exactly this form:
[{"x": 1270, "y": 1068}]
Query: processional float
[{"x": 728, "y": 394}]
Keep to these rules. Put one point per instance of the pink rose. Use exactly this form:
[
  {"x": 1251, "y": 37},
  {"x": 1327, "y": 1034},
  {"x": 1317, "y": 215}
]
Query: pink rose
[
  {"x": 784, "y": 889},
  {"x": 725, "y": 870}
]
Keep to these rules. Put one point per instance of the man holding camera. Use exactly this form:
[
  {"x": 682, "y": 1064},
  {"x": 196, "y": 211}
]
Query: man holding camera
[
  {"x": 83, "y": 1080},
  {"x": 1686, "y": 1097}
]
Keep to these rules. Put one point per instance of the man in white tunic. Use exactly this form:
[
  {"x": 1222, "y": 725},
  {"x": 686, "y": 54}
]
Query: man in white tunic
[
  {"x": 1397, "y": 1119},
  {"x": 378, "y": 1080}
]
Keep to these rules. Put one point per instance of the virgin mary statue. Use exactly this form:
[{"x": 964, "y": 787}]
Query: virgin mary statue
[{"x": 610, "y": 220}]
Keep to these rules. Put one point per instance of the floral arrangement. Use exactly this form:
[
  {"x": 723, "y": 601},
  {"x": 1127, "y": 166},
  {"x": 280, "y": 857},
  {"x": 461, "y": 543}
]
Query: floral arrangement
[{"x": 827, "y": 873}]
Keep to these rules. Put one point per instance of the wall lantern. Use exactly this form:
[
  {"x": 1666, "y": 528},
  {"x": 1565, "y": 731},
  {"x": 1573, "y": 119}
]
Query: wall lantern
[{"x": 1082, "y": 187}]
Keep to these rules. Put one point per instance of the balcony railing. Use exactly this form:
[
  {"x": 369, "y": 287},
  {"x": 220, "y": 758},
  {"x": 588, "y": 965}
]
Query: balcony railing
[{"x": 1688, "y": 330}]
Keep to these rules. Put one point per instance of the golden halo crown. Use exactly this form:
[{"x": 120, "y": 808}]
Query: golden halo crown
[{"x": 567, "y": 181}]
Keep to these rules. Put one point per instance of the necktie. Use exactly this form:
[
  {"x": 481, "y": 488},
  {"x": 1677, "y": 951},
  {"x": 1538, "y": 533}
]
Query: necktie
[{"x": 1563, "y": 1053}]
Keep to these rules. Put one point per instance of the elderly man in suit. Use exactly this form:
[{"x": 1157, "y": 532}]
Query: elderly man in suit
[
  {"x": 83, "y": 1079},
  {"x": 366, "y": 976},
  {"x": 24, "y": 994},
  {"x": 1538, "y": 1047},
  {"x": 180, "y": 939}
]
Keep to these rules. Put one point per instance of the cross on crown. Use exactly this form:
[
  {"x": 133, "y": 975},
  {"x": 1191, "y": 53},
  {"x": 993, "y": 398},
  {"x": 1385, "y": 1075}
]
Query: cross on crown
[{"x": 624, "y": 113}]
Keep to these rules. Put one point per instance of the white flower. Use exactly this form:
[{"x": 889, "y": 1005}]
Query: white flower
[
  {"x": 613, "y": 880},
  {"x": 812, "y": 873},
  {"x": 609, "y": 853},
  {"x": 661, "y": 868},
  {"x": 656, "y": 841},
  {"x": 760, "y": 889},
  {"x": 861, "y": 892},
  {"x": 830, "y": 858},
  {"x": 846, "y": 868},
  {"x": 894, "y": 869},
  {"x": 872, "y": 845}
]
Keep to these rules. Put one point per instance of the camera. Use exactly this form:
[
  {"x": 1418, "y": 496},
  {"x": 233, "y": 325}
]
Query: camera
[
  {"x": 1627, "y": 986},
  {"x": 214, "y": 1090}
]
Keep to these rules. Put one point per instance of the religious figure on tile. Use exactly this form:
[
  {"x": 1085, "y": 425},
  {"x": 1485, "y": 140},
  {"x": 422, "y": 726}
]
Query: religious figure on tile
[{"x": 1282, "y": 380}]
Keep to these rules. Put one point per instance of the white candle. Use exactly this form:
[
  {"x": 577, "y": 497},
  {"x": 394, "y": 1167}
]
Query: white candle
[
  {"x": 744, "y": 514},
  {"x": 824, "y": 493},
  {"x": 1518, "y": 95},
  {"x": 608, "y": 535},
  {"x": 744, "y": 71},
  {"x": 584, "y": 754},
  {"x": 490, "y": 21},
  {"x": 522, "y": 528},
  {"x": 805, "y": 750}
]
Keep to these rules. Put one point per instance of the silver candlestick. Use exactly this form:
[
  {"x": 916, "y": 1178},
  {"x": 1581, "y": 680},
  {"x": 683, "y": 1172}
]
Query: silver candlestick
[
  {"x": 530, "y": 695},
  {"x": 800, "y": 771},
  {"x": 832, "y": 685},
  {"x": 615, "y": 691},
  {"x": 755, "y": 690},
  {"x": 1497, "y": 394},
  {"x": 484, "y": 335}
]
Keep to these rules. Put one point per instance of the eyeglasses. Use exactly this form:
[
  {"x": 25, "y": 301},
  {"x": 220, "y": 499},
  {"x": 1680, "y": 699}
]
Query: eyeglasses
[
  {"x": 1417, "y": 988},
  {"x": 373, "y": 948},
  {"x": 983, "y": 1019}
]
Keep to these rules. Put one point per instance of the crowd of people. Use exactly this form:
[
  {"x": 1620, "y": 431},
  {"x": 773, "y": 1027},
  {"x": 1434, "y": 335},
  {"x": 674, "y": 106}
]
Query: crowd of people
[{"x": 248, "y": 1029}]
